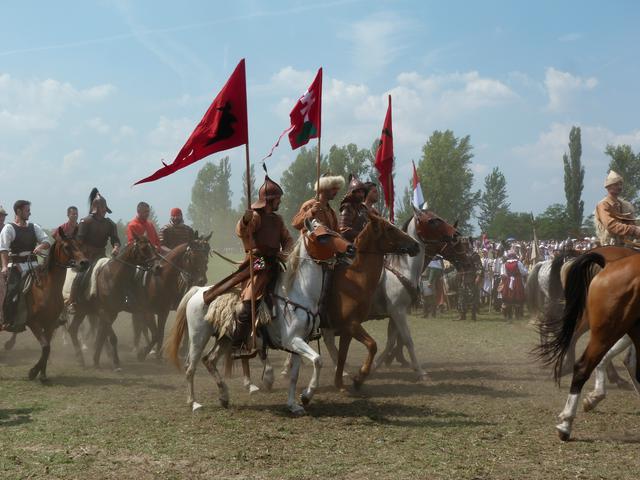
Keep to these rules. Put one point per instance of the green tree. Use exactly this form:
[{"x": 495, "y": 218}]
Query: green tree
[
  {"x": 574, "y": 180},
  {"x": 254, "y": 191},
  {"x": 210, "y": 208},
  {"x": 627, "y": 164},
  {"x": 553, "y": 223},
  {"x": 493, "y": 200},
  {"x": 507, "y": 224},
  {"x": 153, "y": 218},
  {"x": 405, "y": 211},
  {"x": 446, "y": 164}
]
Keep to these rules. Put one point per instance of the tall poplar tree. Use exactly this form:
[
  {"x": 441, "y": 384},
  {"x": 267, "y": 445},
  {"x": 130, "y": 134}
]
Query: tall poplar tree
[{"x": 574, "y": 181}]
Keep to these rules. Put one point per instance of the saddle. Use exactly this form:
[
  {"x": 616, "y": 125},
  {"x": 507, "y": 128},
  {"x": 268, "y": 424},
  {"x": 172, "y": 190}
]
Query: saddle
[
  {"x": 227, "y": 283},
  {"x": 316, "y": 243}
]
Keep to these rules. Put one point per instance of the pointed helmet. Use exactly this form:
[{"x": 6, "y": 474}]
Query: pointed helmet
[
  {"x": 95, "y": 200},
  {"x": 355, "y": 184},
  {"x": 268, "y": 191}
]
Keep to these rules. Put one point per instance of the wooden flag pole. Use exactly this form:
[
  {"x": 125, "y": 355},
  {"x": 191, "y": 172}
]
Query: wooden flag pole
[
  {"x": 251, "y": 275},
  {"x": 318, "y": 170}
]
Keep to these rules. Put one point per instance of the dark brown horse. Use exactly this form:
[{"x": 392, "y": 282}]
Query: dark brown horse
[
  {"x": 114, "y": 278},
  {"x": 353, "y": 288},
  {"x": 609, "y": 305},
  {"x": 182, "y": 268},
  {"x": 44, "y": 300}
]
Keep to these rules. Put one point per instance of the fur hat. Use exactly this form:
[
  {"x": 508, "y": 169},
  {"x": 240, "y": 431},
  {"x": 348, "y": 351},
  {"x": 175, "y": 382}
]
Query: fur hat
[
  {"x": 612, "y": 179},
  {"x": 328, "y": 182},
  {"x": 2, "y": 210}
]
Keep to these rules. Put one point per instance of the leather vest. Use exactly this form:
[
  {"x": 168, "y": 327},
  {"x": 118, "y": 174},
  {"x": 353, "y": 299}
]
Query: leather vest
[
  {"x": 173, "y": 235},
  {"x": 267, "y": 239},
  {"x": 94, "y": 234},
  {"x": 25, "y": 240}
]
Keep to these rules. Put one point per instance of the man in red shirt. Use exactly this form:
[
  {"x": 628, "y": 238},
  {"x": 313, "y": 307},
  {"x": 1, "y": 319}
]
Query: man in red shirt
[
  {"x": 69, "y": 227},
  {"x": 141, "y": 226}
]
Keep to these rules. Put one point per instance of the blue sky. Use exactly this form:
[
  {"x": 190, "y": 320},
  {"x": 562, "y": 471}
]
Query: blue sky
[{"x": 96, "y": 93}]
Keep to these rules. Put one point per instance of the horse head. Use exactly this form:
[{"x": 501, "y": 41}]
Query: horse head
[
  {"x": 196, "y": 259},
  {"x": 140, "y": 251},
  {"x": 380, "y": 236},
  {"x": 68, "y": 252},
  {"x": 324, "y": 244}
]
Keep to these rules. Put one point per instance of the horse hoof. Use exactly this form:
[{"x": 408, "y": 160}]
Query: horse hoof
[
  {"x": 624, "y": 385},
  {"x": 195, "y": 406},
  {"x": 297, "y": 410},
  {"x": 357, "y": 382},
  {"x": 141, "y": 355},
  {"x": 45, "y": 381},
  {"x": 33, "y": 373},
  {"x": 423, "y": 377},
  {"x": 284, "y": 373},
  {"x": 117, "y": 369},
  {"x": 305, "y": 400},
  {"x": 253, "y": 389},
  {"x": 564, "y": 433},
  {"x": 224, "y": 402},
  {"x": 590, "y": 402}
]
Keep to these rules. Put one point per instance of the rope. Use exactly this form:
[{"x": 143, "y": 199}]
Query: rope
[{"x": 233, "y": 262}]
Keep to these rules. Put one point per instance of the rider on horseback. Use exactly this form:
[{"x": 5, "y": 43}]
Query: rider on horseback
[
  {"x": 176, "y": 232},
  {"x": 94, "y": 231},
  {"x": 614, "y": 217},
  {"x": 265, "y": 235},
  {"x": 20, "y": 242},
  {"x": 354, "y": 214},
  {"x": 319, "y": 208}
]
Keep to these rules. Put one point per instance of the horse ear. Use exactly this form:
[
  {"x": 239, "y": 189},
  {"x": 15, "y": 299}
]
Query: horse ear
[
  {"x": 455, "y": 225},
  {"x": 208, "y": 237},
  {"x": 61, "y": 233},
  {"x": 196, "y": 234}
]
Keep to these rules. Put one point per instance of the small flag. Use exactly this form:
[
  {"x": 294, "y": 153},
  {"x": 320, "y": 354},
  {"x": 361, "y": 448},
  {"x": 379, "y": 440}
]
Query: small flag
[
  {"x": 384, "y": 161},
  {"x": 418, "y": 198},
  {"x": 223, "y": 126}
]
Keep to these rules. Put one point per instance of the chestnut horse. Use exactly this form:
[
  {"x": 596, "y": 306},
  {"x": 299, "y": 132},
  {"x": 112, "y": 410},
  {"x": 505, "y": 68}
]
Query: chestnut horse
[
  {"x": 113, "y": 279},
  {"x": 44, "y": 299},
  {"x": 353, "y": 288},
  {"x": 183, "y": 267},
  {"x": 609, "y": 306}
]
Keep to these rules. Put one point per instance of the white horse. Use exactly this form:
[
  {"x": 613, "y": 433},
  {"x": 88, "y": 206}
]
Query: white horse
[{"x": 296, "y": 298}]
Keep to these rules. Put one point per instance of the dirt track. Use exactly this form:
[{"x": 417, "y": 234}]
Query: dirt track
[{"x": 487, "y": 411}]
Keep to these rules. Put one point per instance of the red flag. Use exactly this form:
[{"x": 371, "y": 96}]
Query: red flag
[
  {"x": 418, "y": 198},
  {"x": 224, "y": 126},
  {"x": 306, "y": 113},
  {"x": 384, "y": 161}
]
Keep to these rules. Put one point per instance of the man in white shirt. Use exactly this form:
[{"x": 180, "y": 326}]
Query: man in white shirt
[{"x": 20, "y": 242}]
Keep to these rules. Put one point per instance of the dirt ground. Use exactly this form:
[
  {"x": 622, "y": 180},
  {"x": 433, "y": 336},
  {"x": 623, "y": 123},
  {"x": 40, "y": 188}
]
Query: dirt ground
[{"x": 488, "y": 410}]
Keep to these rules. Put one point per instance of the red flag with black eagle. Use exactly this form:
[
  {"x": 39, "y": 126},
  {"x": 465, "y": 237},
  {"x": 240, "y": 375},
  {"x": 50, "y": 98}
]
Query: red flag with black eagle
[
  {"x": 384, "y": 161},
  {"x": 223, "y": 126},
  {"x": 306, "y": 115}
]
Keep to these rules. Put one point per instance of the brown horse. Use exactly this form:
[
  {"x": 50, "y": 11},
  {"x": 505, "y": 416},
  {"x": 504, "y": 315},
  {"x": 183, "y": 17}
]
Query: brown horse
[
  {"x": 560, "y": 268},
  {"x": 113, "y": 280},
  {"x": 609, "y": 305},
  {"x": 353, "y": 288},
  {"x": 182, "y": 268},
  {"x": 44, "y": 299}
]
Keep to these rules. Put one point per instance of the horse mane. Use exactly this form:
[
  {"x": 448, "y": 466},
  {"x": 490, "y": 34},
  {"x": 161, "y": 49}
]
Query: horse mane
[
  {"x": 49, "y": 261},
  {"x": 293, "y": 263}
]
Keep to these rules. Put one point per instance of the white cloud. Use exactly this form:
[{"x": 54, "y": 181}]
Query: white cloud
[
  {"x": 72, "y": 159},
  {"x": 36, "y": 105},
  {"x": 563, "y": 86},
  {"x": 377, "y": 39},
  {"x": 570, "y": 37},
  {"x": 99, "y": 125},
  {"x": 171, "y": 133}
]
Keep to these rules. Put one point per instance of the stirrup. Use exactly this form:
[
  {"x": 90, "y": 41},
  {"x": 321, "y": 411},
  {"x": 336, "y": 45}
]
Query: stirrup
[{"x": 243, "y": 353}]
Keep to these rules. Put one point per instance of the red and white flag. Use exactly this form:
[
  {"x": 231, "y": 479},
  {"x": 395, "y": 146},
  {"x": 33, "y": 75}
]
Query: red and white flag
[
  {"x": 384, "y": 161},
  {"x": 418, "y": 198},
  {"x": 223, "y": 126}
]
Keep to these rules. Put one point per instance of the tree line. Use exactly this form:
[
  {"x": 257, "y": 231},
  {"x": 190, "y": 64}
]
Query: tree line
[{"x": 444, "y": 168}]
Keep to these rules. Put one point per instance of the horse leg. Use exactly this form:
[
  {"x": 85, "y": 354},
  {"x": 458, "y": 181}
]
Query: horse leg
[
  {"x": 302, "y": 348},
  {"x": 345, "y": 340},
  {"x": 196, "y": 339},
  {"x": 593, "y": 398},
  {"x": 595, "y": 351},
  {"x": 147, "y": 322},
  {"x": 293, "y": 381},
  {"x": 9, "y": 344},
  {"x": 210, "y": 360},
  {"x": 286, "y": 366},
  {"x": 113, "y": 342},
  {"x": 386, "y": 356},
  {"x": 40, "y": 335},
  {"x": 246, "y": 377},
  {"x": 402, "y": 326},
  {"x": 101, "y": 336},
  {"x": 632, "y": 361},
  {"x": 267, "y": 377},
  {"x": 76, "y": 321},
  {"x": 329, "y": 337},
  {"x": 360, "y": 334},
  {"x": 162, "y": 322}
]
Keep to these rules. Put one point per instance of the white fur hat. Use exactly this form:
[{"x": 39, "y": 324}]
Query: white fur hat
[
  {"x": 612, "y": 179},
  {"x": 329, "y": 182}
]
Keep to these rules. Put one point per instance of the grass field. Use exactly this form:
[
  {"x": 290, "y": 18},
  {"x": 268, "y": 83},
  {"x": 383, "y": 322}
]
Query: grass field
[{"x": 487, "y": 411}]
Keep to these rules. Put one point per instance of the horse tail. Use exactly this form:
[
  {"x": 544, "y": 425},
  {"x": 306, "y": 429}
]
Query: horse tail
[
  {"x": 558, "y": 333},
  {"x": 531, "y": 289},
  {"x": 172, "y": 344},
  {"x": 555, "y": 279}
]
